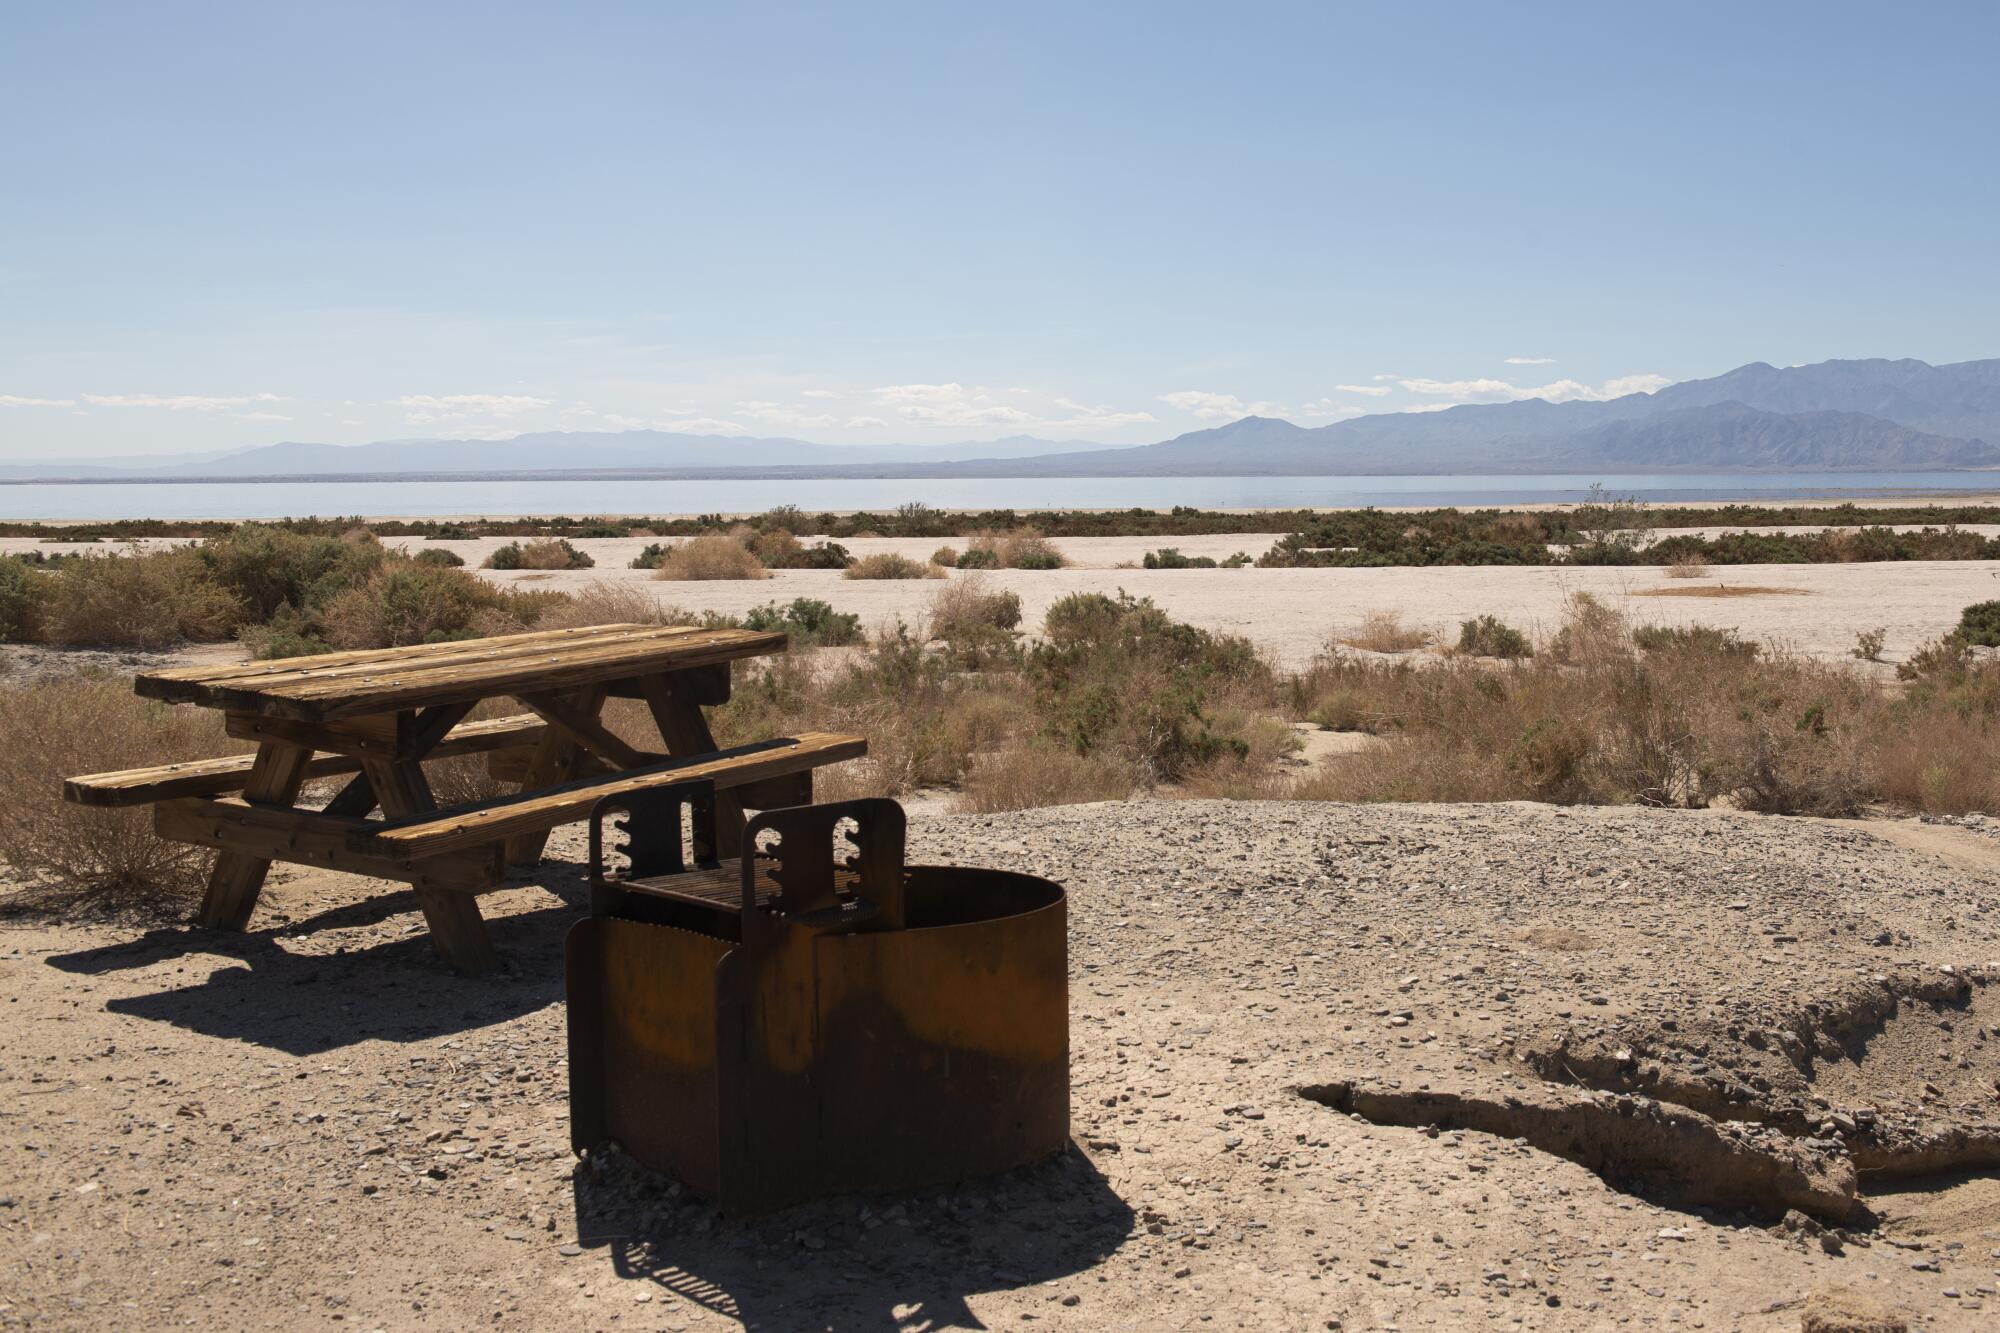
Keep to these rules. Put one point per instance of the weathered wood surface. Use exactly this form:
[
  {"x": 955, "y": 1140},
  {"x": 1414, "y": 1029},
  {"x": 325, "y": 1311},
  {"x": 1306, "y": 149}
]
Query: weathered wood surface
[
  {"x": 471, "y": 826},
  {"x": 276, "y": 775},
  {"x": 312, "y": 838},
  {"x": 322, "y": 689},
  {"x": 217, "y": 777}
]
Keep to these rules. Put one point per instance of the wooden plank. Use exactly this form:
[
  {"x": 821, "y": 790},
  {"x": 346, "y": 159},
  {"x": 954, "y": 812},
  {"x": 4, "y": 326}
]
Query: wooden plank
[
  {"x": 555, "y": 760},
  {"x": 674, "y": 701},
  {"x": 385, "y": 736},
  {"x": 570, "y": 669},
  {"x": 587, "y": 730},
  {"x": 304, "y": 837},
  {"x": 457, "y": 931},
  {"x": 475, "y": 666},
  {"x": 470, "y": 826},
  {"x": 277, "y": 669},
  {"x": 276, "y": 775},
  {"x": 214, "y": 777}
]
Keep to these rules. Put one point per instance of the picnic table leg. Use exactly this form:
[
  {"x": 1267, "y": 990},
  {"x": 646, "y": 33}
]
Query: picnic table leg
[
  {"x": 276, "y": 775},
  {"x": 684, "y": 729},
  {"x": 554, "y": 761},
  {"x": 458, "y": 932}
]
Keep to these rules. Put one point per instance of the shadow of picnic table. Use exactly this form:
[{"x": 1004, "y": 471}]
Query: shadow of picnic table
[
  {"x": 303, "y": 1002},
  {"x": 905, "y": 1262}
]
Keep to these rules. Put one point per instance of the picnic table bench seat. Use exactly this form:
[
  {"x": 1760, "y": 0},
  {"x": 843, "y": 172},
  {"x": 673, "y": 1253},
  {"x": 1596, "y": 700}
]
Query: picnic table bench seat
[
  {"x": 378, "y": 715},
  {"x": 218, "y": 777}
]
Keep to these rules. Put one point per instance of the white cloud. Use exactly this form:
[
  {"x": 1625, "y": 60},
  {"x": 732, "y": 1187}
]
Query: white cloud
[
  {"x": 1530, "y": 361},
  {"x": 259, "y": 416},
  {"x": 425, "y": 408},
  {"x": 779, "y": 414},
  {"x": 948, "y": 405},
  {"x": 1326, "y": 409},
  {"x": 710, "y": 426},
  {"x": 818, "y": 393},
  {"x": 1487, "y": 390},
  {"x": 1372, "y": 390},
  {"x": 14, "y": 400},
  {"x": 1208, "y": 406},
  {"x": 186, "y": 402},
  {"x": 863, "y": 423},
  {"x": 1083, "y": 416}
]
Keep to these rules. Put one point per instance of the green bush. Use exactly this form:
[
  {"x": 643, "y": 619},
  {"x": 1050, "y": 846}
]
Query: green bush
[
  {"x": 1980, "y": 624},
  {"x": 1704, "y": 639},
  {"x": 807, "y": 619},
  {"x": 651, "y": 557},
  {"x": 978, "y": 558},
  {"x": 437, "y": 555},
  {"x": 21, "y": 594},
  {"x": 1488, "y": 637}
]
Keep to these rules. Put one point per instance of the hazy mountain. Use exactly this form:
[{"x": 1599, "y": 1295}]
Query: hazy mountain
[
  {"x": 1855, "y": 415},
  {"x": 604, "y": 451}
]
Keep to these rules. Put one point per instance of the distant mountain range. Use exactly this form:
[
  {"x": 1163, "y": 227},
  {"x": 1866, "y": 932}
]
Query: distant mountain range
[{"x": 1870, "y": 415}]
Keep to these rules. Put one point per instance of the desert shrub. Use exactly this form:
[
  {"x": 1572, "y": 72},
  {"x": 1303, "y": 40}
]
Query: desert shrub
[
  {"x": 437, "y": 555},
  {"x": 1945, "y": 657},
  {"x": 822, "y": 555},
  {"x": 1037, "y": 774},
  {"x": 407, "y": 603},
  {"x": 1486, "y": 636},
  {"x": 1687, "y": 565},
  {"x": 21, "y": 595},
  {"x": 1120, "y": 675},
  {"x": 1590, "y": 631},
  {"x": 268, "y": 567},
  {"x": 776, "y": 547},
  {"x": 1236, "y": 561},
  {"x": 602, "y": 602},
  {"x": 1168, "y": 557},
  {"x": 1691, "y": 720},
  {"x": 650, "y": 556},
  {"x": 945, "y": 557},
  {"x": 709, "y": 557},
  {"x": 150, "y": 600},
  {"x": 888, "y": 565},
  {"x": 1868, "y": 644},
  {"x": 1980, "y": 624},
  {"x": 808, "y": 620},
  {"x": 1693, "y": 638},
  {"x": 546, "y": 553},
  {"x": 64, "y": 855},
  {"x": 1385, "y": 632},
  {"x": 975, "y": 622},
  {"x": 1020, "y": 548}
]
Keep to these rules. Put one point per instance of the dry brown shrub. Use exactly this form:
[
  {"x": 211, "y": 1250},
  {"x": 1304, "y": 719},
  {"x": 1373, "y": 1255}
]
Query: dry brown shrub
[
  {"x": 711, "y": 556},
  {"x": 63, "y": 855},
  {"x": 888, "y": 565},
  {"x": 1684, "y": 725},
  {"x": 1021, "y": 548},
  {"x": 1942, "y": 763},
  {"x": 143, "y": 600},
  {"x": 1688, "y": 565},
  {"x": 410, "y": 603},
  {"x": 1024, "y": 776},
  {"x": 776, "y": 548},
  {"x": 603, "y": 602},
  {"x": 1590, "y": 632},
  {"x": 548, "y": 553},
  {"x": 1385, "y": 632}
]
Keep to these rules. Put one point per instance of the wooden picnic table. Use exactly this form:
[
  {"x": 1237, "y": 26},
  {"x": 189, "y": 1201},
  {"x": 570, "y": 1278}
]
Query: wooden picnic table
[{"x": 377, "y": 715}]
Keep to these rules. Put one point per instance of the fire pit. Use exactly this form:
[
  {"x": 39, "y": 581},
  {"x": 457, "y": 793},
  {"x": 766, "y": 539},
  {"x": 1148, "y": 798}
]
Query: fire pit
[{"x": 817, "y": 1017}]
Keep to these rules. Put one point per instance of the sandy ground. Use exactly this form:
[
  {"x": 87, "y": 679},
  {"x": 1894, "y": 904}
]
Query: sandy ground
[
  {"x": 312, "y": 1125},
  {"x": 1816, "y": 609}
]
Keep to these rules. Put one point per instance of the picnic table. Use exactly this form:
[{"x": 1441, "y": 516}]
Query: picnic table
[{"x": 376, "y": 716}]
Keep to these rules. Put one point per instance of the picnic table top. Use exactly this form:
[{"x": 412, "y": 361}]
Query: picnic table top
[{"x": 387, "y": 680}]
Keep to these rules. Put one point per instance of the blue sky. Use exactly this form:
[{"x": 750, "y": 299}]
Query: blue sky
[{"x": 223, "y": 225}]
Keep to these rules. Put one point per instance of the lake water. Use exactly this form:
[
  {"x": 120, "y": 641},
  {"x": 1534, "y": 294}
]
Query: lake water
[{"x": 384, "y": 499}]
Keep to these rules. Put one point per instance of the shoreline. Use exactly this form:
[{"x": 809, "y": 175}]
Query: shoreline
[{"x": 1879, "y": 499}]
